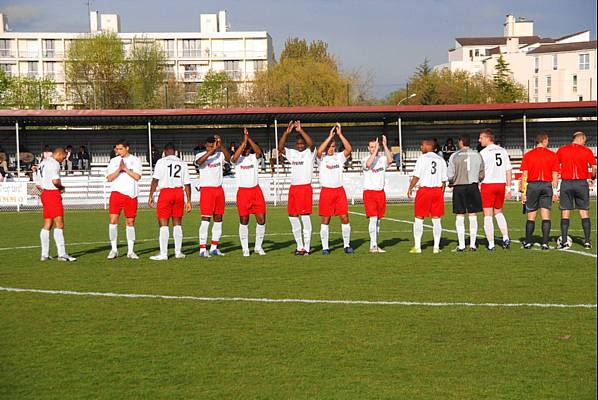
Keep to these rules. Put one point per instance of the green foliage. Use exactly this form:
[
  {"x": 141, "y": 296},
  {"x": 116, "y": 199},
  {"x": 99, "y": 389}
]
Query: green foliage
[
  {"x": 217, "y": 90},
  {"x": 145, "y": 74},
  {"x": 26, "y": 93},
  {"x": 507, "y": 90}
]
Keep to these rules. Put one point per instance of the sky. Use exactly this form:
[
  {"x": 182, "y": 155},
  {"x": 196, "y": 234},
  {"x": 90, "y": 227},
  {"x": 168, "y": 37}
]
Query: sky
[{"x": 381, "y": 39}]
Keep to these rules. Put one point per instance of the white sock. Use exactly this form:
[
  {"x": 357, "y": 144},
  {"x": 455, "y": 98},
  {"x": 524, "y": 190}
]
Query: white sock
[
  {"x": 489, "y": 230},
  {"x": 473, "y": 230},
  {"x": 130, "y": 238},
  {"x": 460, "y": 225},
  {"x": 436, "y": 231},
  {"x": 216, "y": 233},
  {"x": 418, "y": 231},
  {"x": 502, "y": 225},
  {"x": 59, "y": 240},
  {"x": 113, "y": 234},
  {"x": 177, "y": 233},
  {"x": 244, "y": 237},
  {"x": 203, "y": 234},
  {"x": 324, "y": 236},
  {"x": 373, "y": 230},
  {"x": 346, "y": 230},
  {"x": 377, "y": 227},
  {"x": 164, "y": 236},
  {"x": 44, "y": 238},
  {"x": 306, "y": 219},
  {"x": 296, "y": 228},
  {"x": 260, "y": 232}
]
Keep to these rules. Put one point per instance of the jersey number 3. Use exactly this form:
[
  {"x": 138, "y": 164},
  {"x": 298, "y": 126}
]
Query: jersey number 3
[{"x": 433, "y": 168}]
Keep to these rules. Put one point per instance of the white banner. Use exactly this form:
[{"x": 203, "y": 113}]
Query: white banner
[{"x": 13, "y": 193}]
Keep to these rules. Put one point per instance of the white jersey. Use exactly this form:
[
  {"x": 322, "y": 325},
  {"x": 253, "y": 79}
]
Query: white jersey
[
  {"x": 210, "y": 172},
  {"x": 374, "y": 177},
  {"x": 496, "y": 164},
  {"x": 171, "y": 172},
  {"x": 431, "y": 170},
  {"x": 302, "y": 165},
  {"x": 331, "y": 170},
  {"x": 47, "y": 171},
  {"x": 124, "y": 183},
  {"x": 246, "y": 171}
]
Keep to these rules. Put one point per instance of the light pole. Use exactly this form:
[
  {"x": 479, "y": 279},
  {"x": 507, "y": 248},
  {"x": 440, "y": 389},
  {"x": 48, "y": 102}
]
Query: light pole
[{"x": 412, "y": 95}]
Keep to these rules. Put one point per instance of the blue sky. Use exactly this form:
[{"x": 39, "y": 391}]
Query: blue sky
[{"x": 382, "y": 38}]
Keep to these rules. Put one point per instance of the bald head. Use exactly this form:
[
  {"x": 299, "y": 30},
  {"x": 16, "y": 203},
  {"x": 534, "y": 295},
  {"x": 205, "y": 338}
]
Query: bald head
[{"x": 59, "y": 154}]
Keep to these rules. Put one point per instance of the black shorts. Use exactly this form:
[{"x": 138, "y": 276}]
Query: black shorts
[
  {"x": 467, "y": 199},
  {"x": 575, "y": 195},
  {"x": 539, "y": 195}
]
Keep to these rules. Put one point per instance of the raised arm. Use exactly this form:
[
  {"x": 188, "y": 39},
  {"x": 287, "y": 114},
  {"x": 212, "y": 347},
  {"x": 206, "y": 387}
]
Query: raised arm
[
  {"x": 241, "y": 147},
  {"x": 308, "y": 140},
  {"x": 372, "y": 157},
  {"x": 205, "y": 157},
  {"x": 387, "y": 151},
  {"x": 326, "y": 142},
  {"x": 344, "y": 141},
  {"x": 256, "y": 149},
  {"x": 283, "y": 139},
  {"x": 223, "y": 148}
]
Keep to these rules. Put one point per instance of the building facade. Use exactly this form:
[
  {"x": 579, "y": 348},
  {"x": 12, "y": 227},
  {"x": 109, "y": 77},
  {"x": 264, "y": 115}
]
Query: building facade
[
  {"x": 189, "y": 55},
  {"x": 562, "y": 69}
]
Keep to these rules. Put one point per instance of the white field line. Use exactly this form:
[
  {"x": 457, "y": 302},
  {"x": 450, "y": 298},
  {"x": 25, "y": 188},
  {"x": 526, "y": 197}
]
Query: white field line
[
  {"x": 582, "y": 253},
  {"x": 306, "y": 301}
]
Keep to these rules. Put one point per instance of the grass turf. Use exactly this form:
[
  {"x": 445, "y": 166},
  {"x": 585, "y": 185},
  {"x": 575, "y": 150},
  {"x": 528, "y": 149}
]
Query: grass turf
[{"x": 95, "y": 347}]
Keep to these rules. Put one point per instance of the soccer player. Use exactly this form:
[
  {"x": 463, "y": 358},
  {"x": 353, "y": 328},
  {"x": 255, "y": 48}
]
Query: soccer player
[
  {"x": 300, "y": 202},
  {"x": 172, "y": 177},
  {"x": 333, "y": 199},
  {"x": 47, "y": 178},
  {"x": 211, "y": 201},
  {"x": 431, "y": 174},
  {"x": 575, "y": 159},
  {"x": 124, "y": 172},
  {"x": 465, "y": 171},
  {"x": 540, "y": 168},
  {"x": 374, "y": 197},
  {"x": 495, "y": 186},
  {"x": 250, "y": 198}
]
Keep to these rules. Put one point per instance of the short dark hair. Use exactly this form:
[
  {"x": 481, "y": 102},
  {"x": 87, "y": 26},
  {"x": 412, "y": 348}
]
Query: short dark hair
[
  {"x": 428, "y": 141},
  {"x": 299, "y": 137},
  {"x": 488, "y": 133},
  {"x": 540, "y": 137},
  {"x": 465, "y": 140},
  {"x": 169, "y": 146},
  {"x": 211, "y": 140},
  {"x": 372, "y": 140},
  {"x": 123, "y": 142}
]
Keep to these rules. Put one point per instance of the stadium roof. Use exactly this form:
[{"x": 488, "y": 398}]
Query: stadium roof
[{"x": 241, "y": 116}]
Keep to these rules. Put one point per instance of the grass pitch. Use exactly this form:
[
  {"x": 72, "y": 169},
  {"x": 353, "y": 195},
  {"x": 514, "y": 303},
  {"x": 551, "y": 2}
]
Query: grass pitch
[{"x": 72, "y": 347}]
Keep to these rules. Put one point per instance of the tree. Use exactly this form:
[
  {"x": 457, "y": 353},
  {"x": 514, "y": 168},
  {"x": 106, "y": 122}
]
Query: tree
[
  {"x": 424, "y": 84},
  {"x": 25, "y": 92},
  {"x": 507, "y": 90},
  {"x": 217, "y": 90},
  {"x": 145, "y": 74}
]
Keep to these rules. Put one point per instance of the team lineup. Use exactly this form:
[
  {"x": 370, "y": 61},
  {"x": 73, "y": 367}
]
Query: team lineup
[{"x": 480, "y": 182}]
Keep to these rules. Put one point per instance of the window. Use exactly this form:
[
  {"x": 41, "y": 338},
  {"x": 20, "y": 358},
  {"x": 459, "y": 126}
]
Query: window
[
  {"x": 574, "y": 83},
  {"x": 535, "y": 99},
  {"x": 32, "y": 69},
  {"x": 6, "y": 68},
  {"x": 555, "y": 62},
  {"x": 233, "y": 69},
  {"x": 580, "y": 98},
  {"x": 191, "y": 48},
  {"x": 488, "y": 53},
  {"x": 536, "y": 64},
  {"x": 477, "y": 52},
  {"x": 548, "y": 99},
  {"x": 168, "y": 47},
  {"x": 5, "y": 50},
  {"x": 584, "y": 61},
  {"x": 259, "y": 65},
  {"x": 536, "y": 87},
  {"x": 49, "y": 50},
  {"x": 548, "y": 84}
]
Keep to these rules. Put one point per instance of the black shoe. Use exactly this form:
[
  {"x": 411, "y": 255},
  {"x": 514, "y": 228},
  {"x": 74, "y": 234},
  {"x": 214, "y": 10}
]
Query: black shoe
[
  {"x": 587, "y": 245},
  {"x": 527, "y": 246},
  {"x": 349, "y": 250},
  {"x": 458, "y": 250},
  {"x": 473, "y": 249}
]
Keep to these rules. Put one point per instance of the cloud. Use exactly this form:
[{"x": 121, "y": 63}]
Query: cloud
[{"x": 19, "y": 13}]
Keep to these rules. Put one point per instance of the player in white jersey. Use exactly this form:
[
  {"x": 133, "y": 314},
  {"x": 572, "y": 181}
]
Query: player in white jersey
[
  {"x": 47, "y": 179},
  {"x": 300, "y": 203},
  {"x": 333, "y": 199},
  {"x": 171, "y": 176},
  {"x": 374, "y": 198},
  {"x": 250, "y": 198},
  {"x": 124, "y": 172},
  {"x": 431, "y": 174},
  {"x": 495, "y": 187},
  {"x": 211, "y": 194}
]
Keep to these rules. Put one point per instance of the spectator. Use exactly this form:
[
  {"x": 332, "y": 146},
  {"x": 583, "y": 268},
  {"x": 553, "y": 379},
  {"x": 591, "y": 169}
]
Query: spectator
[
  {"x": 155, "y": 155},
  {"x": 46, "y": 153},
  {"x": 448, "y": 149},
  {"x": 27, "y": 159},
  {"x": 3, "y": 154},
  {"x": 83, "y": 159},
  {"x": 396, "y": 154},
  {"x": 437, "y": 148},
  {"x": 69, "y": 160},
  {"x": 232, "y": 148},
  {"x": 3, "y": 163}
]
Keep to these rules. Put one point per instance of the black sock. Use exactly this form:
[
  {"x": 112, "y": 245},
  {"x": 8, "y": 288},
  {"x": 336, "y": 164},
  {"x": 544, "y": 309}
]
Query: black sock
[
  {"x": 587, "y": 229},
  {"x": 529, "y": 230},
  {"x": 546, "y": 223},
  {"x": 564, "y": 229}
]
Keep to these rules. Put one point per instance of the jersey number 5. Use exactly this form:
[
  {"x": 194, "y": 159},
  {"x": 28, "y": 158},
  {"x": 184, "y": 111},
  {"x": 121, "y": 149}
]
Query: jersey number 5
[
  {"x": 177, "y": 171},
  {"x": 498, "y": 160}
]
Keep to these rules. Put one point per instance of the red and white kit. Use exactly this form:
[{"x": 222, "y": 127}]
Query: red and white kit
[
  {"x": 431, "y": 170},
  {"x": 333, "y": 199},
  {"x": 172, "y": 175},
  {"x": 125, "y": 189},
  {"x": 496, "y": 164},
  {"x": 300, "y": 192},
  {"x": 250, "y": 198},
  {"x": 374, "y": 197},
  {"x": 211, "y": 194},
  {"x": 47, "y": 171}
]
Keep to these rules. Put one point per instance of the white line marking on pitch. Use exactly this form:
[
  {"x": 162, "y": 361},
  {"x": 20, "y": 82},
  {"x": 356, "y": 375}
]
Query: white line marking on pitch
[
  {"x": 307, "y": 301},
  {"x": 582, "y": 253}
]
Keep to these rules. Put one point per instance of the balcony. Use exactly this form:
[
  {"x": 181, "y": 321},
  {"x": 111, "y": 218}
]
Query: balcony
[
  {"x": 53, "y": 54},
  {"x": 28, "y": 54},
  {"x": 7, "y": 53},
  {"x": 169, "y": 54},
  {"x": 235, "y": 75},
  {"x": 195, "y": 53},
  {"x": 54, "y": 76},
  {"x": 32, "y": 74},
  {"x": 194, "y": 76}
]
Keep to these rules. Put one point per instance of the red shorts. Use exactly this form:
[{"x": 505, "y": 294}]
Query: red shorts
[
  {"x": 333, "y": 201},
  {"x": 429, "y": 202},
  {"x": 250, "y": 201},
  {"x": 52, "y": 202},
  {"x": 374, "y": 202},
  {"x": 171, "y": 203},
  {"x": 119, "y": 201},
  {"x": 300, "y": 200},
  {"x": 211, "y": 200},
  {"x": 493, "y": 195}
]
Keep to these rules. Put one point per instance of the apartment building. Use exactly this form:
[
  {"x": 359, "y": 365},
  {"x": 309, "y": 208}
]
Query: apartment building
[
  {"x": 189, "y": 55},
  {"x": 561, "y": 69}
]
